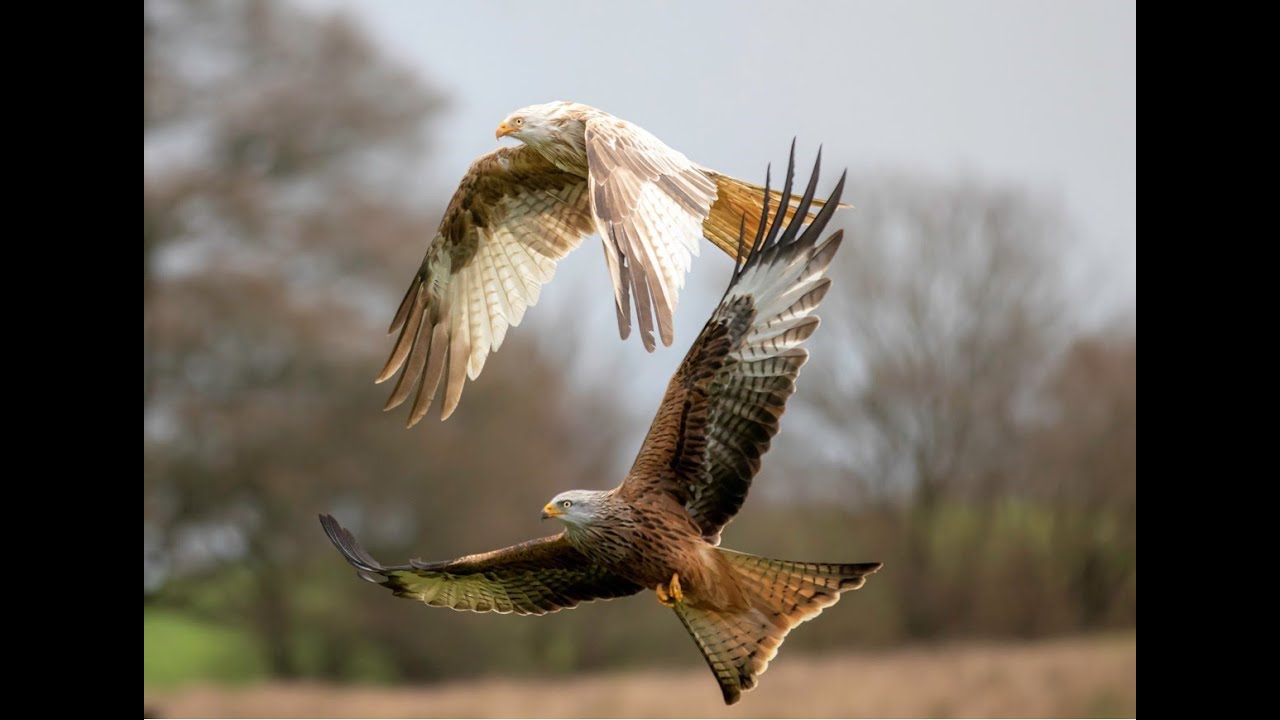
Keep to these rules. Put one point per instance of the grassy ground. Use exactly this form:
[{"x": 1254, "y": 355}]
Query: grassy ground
[{"x": 1079, "y": 677}]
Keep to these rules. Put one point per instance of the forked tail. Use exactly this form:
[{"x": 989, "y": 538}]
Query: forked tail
[
  {"x": 736, "y": 198},
  {"x": 738, "y": 644}
]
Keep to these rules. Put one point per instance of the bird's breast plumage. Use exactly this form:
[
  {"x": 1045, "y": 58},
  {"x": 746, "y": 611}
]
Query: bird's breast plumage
[{"x": 646, "y": 543}]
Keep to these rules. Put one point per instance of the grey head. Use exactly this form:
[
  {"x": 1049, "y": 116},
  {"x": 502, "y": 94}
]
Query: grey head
[{"x": 577, "y": 508}]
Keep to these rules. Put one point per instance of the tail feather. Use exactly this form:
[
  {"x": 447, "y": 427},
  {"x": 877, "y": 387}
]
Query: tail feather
[
  {"x": 736, "y": 198},
  {"x": 738, "y": 644}
]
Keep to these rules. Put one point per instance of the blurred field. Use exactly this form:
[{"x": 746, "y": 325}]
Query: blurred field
[{"x": 1077, "y": 677}]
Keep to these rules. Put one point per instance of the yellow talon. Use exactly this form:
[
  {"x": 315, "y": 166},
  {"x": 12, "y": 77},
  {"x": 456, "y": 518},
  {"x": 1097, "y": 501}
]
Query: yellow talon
[{"x": 671, "y": 593}]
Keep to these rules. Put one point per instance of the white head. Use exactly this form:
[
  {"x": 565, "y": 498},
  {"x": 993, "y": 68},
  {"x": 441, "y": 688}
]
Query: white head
[
  {"x": 536, "y": 124},
  {"x": 576, "y": 508}
]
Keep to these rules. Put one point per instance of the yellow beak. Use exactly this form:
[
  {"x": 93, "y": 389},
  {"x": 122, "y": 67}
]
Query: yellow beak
[
  {"x": 551, "y": 511},
  {"x": 503, "y": 130}
]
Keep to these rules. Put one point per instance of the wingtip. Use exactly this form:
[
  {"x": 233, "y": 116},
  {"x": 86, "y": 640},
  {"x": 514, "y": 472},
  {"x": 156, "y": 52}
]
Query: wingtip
[
  {"x": 416, "y": 414},
  {"x": 838, "y": 190},
  {"x": 844, "y": 174},
  {"x": 350, "y": 548},
  {"x": 332, "y": 529},
  {"x": 646, "y": 333},
  {"x": 831, "y": 244},
  {"x": 624, "y": 316},
  {"x": 452, "y": 396}
]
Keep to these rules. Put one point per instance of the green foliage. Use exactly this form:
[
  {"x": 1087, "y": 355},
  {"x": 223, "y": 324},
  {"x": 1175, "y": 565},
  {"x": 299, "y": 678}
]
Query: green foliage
[{"x": 177, "y": 649}]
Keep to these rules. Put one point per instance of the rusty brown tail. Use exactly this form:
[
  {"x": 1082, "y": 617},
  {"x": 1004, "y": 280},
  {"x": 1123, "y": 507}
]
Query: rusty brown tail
[
  {"x": 735, "y": 198},
  {"x": 738, "y": 644}
]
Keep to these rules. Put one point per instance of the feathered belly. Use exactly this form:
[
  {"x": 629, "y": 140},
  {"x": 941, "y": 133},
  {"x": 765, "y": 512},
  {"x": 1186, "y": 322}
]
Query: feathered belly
[{"x": 650, "y": 555}]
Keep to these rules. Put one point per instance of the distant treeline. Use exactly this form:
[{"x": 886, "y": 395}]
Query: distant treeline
[{"x": 954, "y": 422}]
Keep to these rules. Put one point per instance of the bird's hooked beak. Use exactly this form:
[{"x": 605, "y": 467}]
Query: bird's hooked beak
[
  {"x": 551, "y": 511},
  {"x": 503, "y": 130}
]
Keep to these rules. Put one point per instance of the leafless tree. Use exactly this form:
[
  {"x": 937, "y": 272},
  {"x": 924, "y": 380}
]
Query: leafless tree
[
  {"x": 933, "y": 351},
  {"x": 277, "y": 239}
]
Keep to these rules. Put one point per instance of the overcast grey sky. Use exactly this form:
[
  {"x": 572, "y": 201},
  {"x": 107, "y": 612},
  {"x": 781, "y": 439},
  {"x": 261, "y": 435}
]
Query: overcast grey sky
[{"x": 1041, "y": 95}]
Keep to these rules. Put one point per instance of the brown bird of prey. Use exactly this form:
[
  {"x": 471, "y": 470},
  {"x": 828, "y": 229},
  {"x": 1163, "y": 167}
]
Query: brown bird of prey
[
  {"x": 519, "y": 210},
  {"x": 661, "y": 527}
]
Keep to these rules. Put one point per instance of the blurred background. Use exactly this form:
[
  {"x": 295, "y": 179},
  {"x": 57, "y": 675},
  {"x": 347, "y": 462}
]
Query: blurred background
[{"x": 968, "y": 417}]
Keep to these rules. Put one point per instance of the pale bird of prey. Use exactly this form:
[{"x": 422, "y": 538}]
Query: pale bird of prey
[
  {"x": 660, "y": 528},
  {"x": 519, "y": 210}
]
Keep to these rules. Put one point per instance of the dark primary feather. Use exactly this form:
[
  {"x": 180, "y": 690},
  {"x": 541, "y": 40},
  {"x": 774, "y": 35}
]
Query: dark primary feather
[
  {"x": 722, "y": 407},
  {"x": 532, "y": 578}
]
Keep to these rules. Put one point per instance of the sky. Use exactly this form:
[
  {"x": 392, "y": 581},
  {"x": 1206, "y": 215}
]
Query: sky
[{"x": 1039, "y": 95}]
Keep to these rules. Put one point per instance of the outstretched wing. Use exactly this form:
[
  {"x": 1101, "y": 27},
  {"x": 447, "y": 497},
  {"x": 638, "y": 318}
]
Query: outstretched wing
[
  {"x": 649, "y": 203},
  {"x": 513, "y": 216},
  {"x": 532, "y": 578},
  {"x": 724, "y": 403}
]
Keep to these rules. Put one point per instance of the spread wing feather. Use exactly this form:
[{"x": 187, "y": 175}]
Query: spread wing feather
[
  {"x": 649, "y": 202},
  {"x": 512, "y": 218},
  {"x": 723, "y": 406},
  {"x": 532, "y": 578}
]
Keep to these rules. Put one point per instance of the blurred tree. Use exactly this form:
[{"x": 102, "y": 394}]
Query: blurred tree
[
  {"x": 948, "y": 316},
  {"x": 277, "y": 236},
  {"x": 937, "y": 362},
  {"x": 1085, "y": 456}
]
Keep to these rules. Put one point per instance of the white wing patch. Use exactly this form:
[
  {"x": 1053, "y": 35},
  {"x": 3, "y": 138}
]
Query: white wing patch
[
  {"x": 506, "y": 275},
  {"x": 512, "y": 219}
]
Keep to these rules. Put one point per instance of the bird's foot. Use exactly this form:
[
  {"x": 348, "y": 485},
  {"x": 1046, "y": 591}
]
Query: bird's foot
[
  {"x": 670, "y": 594},
  {"x": 663, "y": 598}
]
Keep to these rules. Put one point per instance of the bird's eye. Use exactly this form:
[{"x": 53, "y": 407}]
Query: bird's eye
[
  {"x": 519, "y": 122},
  {"x": 567, "y": 503}
]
